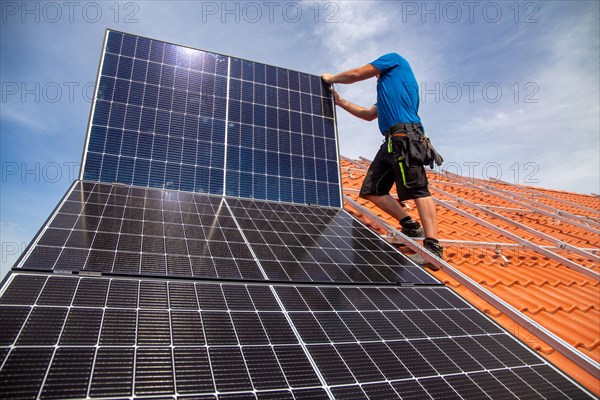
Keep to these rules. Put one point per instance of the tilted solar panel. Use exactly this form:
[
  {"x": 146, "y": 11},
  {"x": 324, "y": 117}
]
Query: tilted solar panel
[
  {"x": 153, "y": 232},
  {"x": 173, "y": 117}
]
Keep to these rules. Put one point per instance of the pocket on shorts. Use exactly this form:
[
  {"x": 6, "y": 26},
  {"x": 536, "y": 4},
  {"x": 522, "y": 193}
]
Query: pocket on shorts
[
  {"x": 416, "y": 177},
  {"x": 417, "y": 153}
]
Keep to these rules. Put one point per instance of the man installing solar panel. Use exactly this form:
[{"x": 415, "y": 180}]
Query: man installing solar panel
[{"x": 401, "y": 157}]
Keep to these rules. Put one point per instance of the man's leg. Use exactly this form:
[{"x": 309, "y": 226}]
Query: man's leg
[
  {"x": 388, "y": 204},
  {"x": 376, "y": 188},
  {"x": 426, "y": 208},
  {"x": 391, "y": 206},
  {"x": 377, "y": 184}
]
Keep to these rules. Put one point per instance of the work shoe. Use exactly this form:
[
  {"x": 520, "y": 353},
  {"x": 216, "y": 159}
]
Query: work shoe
[
  {"x": 412, "y": 228},
  {"x": 434, "y": 248}
]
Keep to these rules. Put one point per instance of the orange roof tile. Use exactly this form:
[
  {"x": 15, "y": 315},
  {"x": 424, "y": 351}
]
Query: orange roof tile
[{"x": 562, "y": 300}]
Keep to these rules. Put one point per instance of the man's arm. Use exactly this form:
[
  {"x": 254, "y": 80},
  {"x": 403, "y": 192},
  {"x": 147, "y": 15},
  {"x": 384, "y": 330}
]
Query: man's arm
[
  {"x": 368, "y": 114},
  {"x": 352, "y": 75}
]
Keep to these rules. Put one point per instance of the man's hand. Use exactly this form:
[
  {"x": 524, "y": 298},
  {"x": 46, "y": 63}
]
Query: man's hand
[
  {"x": 328, "y": 78},
  {"x": 336, "y": 96},
  {"x": 368, "y": 114}
]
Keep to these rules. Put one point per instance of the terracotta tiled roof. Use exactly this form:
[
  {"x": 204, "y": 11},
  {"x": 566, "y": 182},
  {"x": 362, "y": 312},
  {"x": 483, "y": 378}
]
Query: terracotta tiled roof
[{"x": 561, "y": 299}]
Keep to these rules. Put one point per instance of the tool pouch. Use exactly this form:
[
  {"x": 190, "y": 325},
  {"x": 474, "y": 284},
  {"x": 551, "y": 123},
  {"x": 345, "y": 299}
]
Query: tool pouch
[
  {"x": 414, "y": 148},
  {"x": 417, "y": 152},
  {"x": 431, "y": 155}
]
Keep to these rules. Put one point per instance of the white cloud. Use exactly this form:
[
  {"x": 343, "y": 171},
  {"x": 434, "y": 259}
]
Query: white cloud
[
  {"x": 25, "y": 120},
  {"x": 359, "y": 24}
]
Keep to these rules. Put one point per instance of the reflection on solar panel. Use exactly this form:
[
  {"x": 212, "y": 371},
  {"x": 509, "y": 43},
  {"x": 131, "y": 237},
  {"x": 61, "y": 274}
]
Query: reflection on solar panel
[
  {"x": 128, "y": 230},
  {"x": 111, "y": 337},
  {"x": 173, "y": 117},
  {"x": 299, "y": 243},
  {"x": 140, "y": 291}
]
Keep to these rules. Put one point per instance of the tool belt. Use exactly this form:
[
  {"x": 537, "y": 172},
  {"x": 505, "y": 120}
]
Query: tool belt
[
  {"x": 402, "y": 127},
  {"x": 410, "y": 146}
]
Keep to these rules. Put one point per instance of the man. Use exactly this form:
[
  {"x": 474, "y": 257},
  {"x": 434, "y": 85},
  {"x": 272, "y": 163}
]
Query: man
[{"x": 397, "y": 112}]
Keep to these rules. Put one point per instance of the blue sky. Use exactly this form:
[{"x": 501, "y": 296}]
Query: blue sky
[{"x": 508, "y": 90}]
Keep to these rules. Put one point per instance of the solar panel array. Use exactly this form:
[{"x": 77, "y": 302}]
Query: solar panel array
[
  {"x": 73, "y": 337},
  {"x": 242, "y": 291},
  {"x": 169, "y": 116}
]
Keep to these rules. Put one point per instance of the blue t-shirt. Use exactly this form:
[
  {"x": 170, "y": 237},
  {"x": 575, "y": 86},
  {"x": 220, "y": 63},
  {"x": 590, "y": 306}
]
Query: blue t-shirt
[{"x": 397, "y": 92}]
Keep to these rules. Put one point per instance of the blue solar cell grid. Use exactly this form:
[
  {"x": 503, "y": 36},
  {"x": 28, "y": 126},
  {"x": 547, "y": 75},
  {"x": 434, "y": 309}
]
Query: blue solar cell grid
[{"x": 172, "y": 117}]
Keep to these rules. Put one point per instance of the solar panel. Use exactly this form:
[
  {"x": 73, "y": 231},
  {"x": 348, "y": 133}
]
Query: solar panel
[
  {"x": 152, "y": 232},
  {"x": 174, "y": 117},
  {"x": 116, "y": 337}
]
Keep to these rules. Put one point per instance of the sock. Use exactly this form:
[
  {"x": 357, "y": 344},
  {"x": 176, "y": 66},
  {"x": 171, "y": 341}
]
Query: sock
[
  {"x": 432, "y": 240},
  {"x": 405, "y": 220}
]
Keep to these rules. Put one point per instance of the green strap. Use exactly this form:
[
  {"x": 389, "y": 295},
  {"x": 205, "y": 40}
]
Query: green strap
[
  {"x": 402, "y": 170},
  {"x": 400, "y": 159}
]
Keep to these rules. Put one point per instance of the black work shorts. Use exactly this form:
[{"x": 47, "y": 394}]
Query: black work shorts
[{"x": 385, "y": 171}]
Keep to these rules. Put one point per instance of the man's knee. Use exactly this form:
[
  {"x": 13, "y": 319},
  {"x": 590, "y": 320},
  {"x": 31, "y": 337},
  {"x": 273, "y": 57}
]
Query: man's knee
[
  {"x": 424, "y": 199},
  {"x": 371, "y": 197},
  {"x": 366, "y": 196}
]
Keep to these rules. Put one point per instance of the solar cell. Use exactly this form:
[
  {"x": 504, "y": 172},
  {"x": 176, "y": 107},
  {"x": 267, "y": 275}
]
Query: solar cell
[
  {"x": 157, "y": 337},
  {"x": 174, "y": 117}
]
